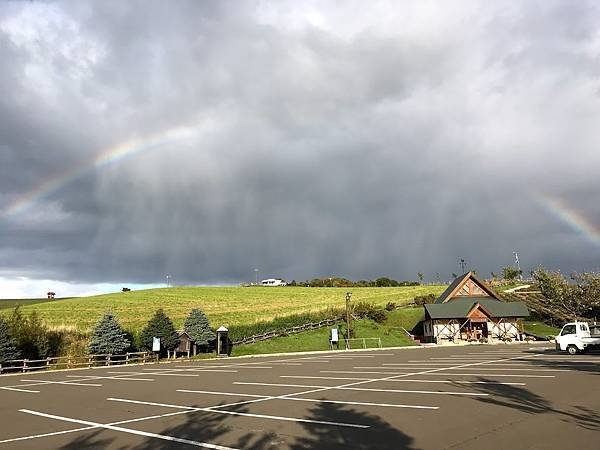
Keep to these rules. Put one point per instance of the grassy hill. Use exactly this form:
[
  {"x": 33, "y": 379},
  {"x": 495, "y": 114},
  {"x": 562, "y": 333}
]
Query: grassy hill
[{"x": 223, "y": 305}]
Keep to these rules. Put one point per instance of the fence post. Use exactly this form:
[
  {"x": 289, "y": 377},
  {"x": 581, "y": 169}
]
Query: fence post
[
  {"x": 364, "y": 343},
  {"x": 126, "y": 358},
  {"x": 379, "y": 342},
  {"x": 24, "y": 365},
  {"x": 47, "y": 362},
  {"x": 108, "y": 361}
]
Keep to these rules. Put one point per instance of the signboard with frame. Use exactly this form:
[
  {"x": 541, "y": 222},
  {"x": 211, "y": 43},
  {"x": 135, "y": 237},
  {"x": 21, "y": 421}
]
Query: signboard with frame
[{"x": 156, "y": 344}]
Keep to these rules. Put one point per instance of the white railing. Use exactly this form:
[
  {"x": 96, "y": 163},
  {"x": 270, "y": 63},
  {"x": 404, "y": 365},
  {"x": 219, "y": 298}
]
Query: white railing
[{"x": 362, "y": 341}]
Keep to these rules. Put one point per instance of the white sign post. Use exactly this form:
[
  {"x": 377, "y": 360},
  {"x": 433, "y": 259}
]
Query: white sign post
[
  {"x": 156, "y": 344},
  {"x": 334, "y": 338}
]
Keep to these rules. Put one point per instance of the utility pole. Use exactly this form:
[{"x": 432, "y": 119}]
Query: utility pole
[{"x": 348, "y": 297}]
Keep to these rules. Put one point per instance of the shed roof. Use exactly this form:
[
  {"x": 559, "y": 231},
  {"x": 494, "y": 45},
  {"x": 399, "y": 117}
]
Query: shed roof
[{"x": 460, "y": 308}]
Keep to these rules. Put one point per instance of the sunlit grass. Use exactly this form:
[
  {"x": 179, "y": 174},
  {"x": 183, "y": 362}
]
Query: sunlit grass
[{"x": 227, "y": 306}]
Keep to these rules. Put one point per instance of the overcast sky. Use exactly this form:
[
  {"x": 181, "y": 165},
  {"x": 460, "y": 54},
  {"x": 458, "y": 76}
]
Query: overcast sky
[{"x": 306, "y": 139}]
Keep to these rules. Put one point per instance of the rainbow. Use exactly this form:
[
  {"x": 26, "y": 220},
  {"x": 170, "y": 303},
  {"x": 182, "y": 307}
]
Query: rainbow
[
  {"x": 572, "y": 218},
  {"x": 108, "y": 156}
]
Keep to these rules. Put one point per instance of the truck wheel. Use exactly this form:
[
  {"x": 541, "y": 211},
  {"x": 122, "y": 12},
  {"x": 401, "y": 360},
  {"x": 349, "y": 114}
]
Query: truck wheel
[{"x": 572, "y": 350}]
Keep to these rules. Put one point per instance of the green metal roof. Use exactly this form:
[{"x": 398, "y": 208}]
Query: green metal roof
[{"x": 459, "y": 308}]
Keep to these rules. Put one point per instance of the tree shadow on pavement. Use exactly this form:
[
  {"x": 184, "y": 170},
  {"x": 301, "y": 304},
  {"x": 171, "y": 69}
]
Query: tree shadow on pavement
[
  {"x": 519, "y": 398},
  {"x": 379, "y": 436}
]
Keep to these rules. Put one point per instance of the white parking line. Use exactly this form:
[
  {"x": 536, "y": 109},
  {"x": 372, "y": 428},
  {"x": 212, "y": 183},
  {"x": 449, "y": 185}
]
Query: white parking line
[
  {"x": 400, "y": 391},
  {"x": 20, "y": 390},
  {"x": 314, "y": 400},
  {"x": 438, "y": 374},
  {"x": 123, "y": 377},
  {"x": 164, "y": 374},
  {"x": 479, "y": 368},
  {"x": 236, "y": 413},
  {"x": 401, "y": 380},
  {"x": 68, "y": 383},
  {"x": 128, "y": 430}
]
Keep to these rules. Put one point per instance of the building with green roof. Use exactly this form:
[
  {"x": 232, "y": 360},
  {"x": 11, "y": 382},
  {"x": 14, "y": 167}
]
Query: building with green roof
[{"x": 468, "y": 310}]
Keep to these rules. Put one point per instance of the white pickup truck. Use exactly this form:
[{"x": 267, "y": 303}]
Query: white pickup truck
[{"x": 576, "y": 337}]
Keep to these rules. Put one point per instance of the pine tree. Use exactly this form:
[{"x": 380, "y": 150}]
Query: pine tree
[
  {"x": 162, "y": 327},
  {"x": 198, "y": 327},
  {"x": 8, "y": 345},
  {"x": 108, "y": 337}
]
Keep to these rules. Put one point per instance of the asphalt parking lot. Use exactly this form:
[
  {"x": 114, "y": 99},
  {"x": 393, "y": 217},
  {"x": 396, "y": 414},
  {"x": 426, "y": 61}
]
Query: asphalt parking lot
[{"x": 468, "y": 397}]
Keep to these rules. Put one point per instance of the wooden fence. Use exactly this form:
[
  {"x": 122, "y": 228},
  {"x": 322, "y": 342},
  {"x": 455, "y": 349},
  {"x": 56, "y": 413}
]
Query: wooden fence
[
  {"x": 72, "y": 362},
  {"x": 286, "y": 331}
]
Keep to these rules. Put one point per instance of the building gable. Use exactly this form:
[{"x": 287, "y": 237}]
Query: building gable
[{"x": 467, "y": 285}]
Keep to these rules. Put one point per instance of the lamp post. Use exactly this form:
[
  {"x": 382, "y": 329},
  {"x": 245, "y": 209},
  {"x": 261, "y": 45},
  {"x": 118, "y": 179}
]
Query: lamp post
[{"x": 348, "y": 297}]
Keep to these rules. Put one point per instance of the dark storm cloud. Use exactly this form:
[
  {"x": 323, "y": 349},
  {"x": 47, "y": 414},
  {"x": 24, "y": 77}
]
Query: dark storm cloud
[{"x": 309, "y": 140}]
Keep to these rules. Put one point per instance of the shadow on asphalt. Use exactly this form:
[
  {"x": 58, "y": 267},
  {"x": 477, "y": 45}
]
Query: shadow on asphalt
[
  {"x": 210, "y": 428},
  {"x": 381, "y": 434},
  {"x": 519, "y": 398}
]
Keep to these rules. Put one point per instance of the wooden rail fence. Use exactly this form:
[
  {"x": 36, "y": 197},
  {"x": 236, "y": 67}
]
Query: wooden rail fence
[{"x": 72, "y": 362}]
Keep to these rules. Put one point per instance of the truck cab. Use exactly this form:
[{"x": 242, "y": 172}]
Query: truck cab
[{"x": 576, "y": 338}]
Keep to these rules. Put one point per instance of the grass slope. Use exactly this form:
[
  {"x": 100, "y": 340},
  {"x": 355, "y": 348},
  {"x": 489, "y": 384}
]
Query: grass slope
[
  {"x": 390, "y": 334},
  {"x": 223, "y": 305},
  {"x": 13, "y": 303},
  {"x": 540, "y": 329}
]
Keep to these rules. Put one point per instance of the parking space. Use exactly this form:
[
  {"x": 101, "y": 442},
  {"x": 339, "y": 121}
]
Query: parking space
[{"x": 518, "y": 395}]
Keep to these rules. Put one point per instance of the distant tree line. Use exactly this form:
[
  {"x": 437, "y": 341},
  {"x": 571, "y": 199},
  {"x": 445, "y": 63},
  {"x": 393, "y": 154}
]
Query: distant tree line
[{"x": 344, "y": 282}]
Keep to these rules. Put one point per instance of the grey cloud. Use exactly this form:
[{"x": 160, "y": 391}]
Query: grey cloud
[{"x": 311, "y": 153}]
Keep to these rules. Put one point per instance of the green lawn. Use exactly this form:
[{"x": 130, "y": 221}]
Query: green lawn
[
  {"x": 223, "y": 305},
  {"x": 315, "y": 340},
  {"x": 540, "y": 329}
]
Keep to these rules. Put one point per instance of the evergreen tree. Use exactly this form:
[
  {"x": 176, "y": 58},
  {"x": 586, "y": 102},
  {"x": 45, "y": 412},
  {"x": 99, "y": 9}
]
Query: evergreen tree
[
  {"x": 198, "y": 327},
  {"x": 162, "y": 327},
  {"x": 30, "y": 333},
  {"x": 8, "y": 345},
  {"x": 108, "y": 337}
]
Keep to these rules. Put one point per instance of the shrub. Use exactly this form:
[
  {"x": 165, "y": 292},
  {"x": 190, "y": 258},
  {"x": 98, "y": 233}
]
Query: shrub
[
  {"x": 8, "y": 345},
  {"x": 198, "y": 327},
  {"x": 390, "y": 306},
  {"x": 369, "y": 310},
  {"x": 31, "y": 335},
  {"x": 162, "y": 327},
  {"x": 108, "y": 337},
  {"x": 423, "y": 299},
  {"x": 377, "y": 315}
]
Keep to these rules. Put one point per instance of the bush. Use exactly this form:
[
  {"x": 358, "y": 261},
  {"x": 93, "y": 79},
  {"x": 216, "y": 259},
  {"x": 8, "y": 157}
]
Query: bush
[
  {"x": 162, "y": 327},
  {"x": 108, "y": 337},
  {"x": 370, "y": 311},
  {"x": 8, "y": 345},
  {"x": 423, "y": 299},
  {"x": 390, "y": 306},
  {"x": 31, "y": 335},
  {"x": 377, "y": 315}
]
